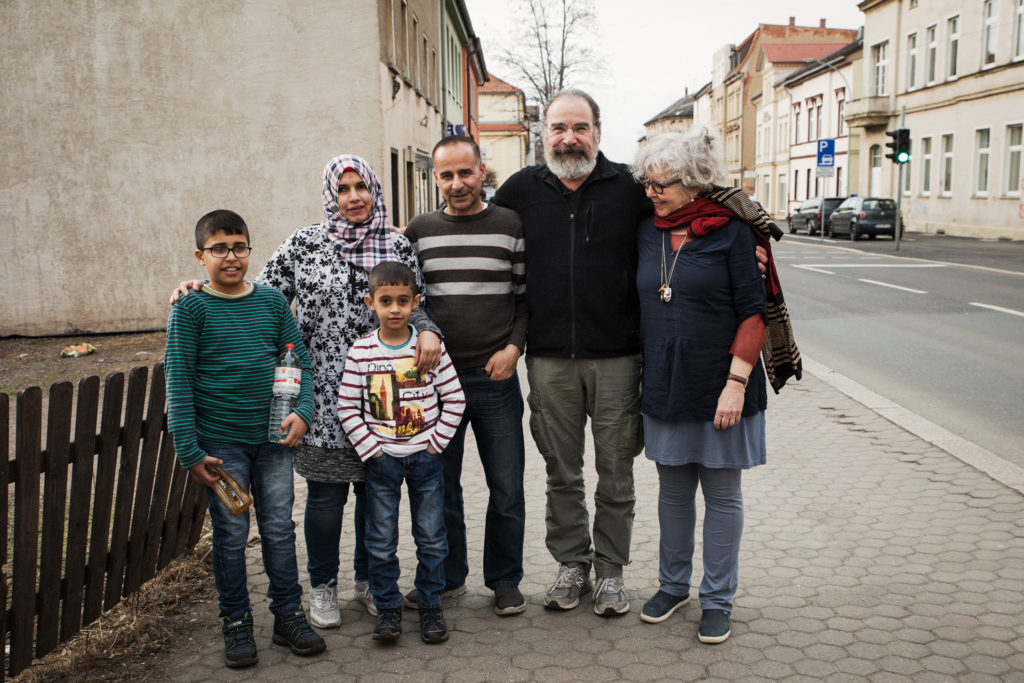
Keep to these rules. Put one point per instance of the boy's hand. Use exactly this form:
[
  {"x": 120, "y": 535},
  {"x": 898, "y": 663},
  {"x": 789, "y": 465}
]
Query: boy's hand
[
  {"x": 200, "y": 474},
  {"x": 184, "y": 287},
  {"x": 296, "y": 427},
  {"x": 428, "y": 352},
  {"x": 503, "y": 363}
]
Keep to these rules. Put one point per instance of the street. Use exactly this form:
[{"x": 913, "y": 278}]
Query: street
[{"x": 937, "y": 327}]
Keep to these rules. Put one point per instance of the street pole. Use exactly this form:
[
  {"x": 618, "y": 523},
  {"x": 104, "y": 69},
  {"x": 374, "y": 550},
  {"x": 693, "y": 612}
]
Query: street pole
[{"x": 898, "y": 225}]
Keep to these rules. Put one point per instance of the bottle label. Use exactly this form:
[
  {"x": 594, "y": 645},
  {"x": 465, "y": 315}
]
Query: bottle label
[{"x": 287, "y": 380}]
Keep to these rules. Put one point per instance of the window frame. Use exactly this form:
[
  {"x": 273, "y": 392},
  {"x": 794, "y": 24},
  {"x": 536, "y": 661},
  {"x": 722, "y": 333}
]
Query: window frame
[
  {"x": 948, "y": 159},
  {"x": 911, "y": 83},
  {"x": 879, "y": 69},
  {"x": 1018, "y": 32},
  {"x": 932, "y": 49},
  {"x": 989, "y": 31},
  {"x": 1011, "y": 150},
  {"x": 926, "y": 167},
  {"x": 982, "y": 162},
  {"x": 953, "y": 47}
]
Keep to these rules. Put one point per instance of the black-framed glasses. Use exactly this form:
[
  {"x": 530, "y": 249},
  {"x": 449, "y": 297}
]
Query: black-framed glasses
[
  {"x": 658, "y": 187},
  {"x": 221, "y": 251}
]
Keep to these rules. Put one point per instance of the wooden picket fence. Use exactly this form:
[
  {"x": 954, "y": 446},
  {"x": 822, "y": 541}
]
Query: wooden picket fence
[{"x": 96, "y": 513}]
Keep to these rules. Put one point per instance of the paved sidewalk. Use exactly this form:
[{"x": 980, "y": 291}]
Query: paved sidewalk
[{"x": 868, "y": 554}]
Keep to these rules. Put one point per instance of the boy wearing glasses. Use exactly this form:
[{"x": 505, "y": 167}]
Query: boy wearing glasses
[{"x": 222, "y": 346}]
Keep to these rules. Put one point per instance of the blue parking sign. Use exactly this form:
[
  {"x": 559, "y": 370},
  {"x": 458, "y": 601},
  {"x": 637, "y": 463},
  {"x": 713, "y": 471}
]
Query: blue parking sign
[{"x": 826, "y": 153}]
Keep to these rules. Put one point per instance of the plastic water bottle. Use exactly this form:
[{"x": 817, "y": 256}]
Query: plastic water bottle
[{"x": 287, "y": 381}]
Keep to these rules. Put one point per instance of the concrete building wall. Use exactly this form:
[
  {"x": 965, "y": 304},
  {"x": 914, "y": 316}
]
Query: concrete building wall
[{"x": 122, "y": 125}]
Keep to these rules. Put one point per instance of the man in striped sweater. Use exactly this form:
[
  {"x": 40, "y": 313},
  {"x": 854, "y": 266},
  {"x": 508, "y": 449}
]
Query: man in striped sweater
[{"x": 473, "y": 259}]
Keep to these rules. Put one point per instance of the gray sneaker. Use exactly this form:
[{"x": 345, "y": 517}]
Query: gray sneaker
[
  {"x": 323, "y": 605},
  {"x": 361, "y": 590},
  {"x": 572, "y": 582},
  {"x": 610, "y": 597}
]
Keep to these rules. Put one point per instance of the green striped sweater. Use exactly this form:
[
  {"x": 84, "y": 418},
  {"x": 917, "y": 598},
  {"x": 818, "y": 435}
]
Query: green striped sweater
[{"x": 221, "y": 352}]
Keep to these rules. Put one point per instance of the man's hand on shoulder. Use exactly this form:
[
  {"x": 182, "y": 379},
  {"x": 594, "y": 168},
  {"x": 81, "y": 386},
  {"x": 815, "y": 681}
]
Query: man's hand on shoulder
[
  {"x": 503, "y": 363},
  {"x": 184, "y": 287}
]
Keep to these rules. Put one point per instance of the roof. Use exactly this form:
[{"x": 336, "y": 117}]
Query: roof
[
  {"x": 495, "y": 84},
  {"x": 680, "y": 108},
  {"x": 836, "y": 59},
  {"x": 797, "y": 52}
]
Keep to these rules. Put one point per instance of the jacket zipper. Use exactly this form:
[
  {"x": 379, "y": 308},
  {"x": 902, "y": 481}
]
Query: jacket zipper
[{"x": 572, "y": 284}]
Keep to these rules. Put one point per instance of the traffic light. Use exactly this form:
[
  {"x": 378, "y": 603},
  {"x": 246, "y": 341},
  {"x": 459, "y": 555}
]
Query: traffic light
[
  {"x": 903, "y": 146},
  {"x": 900, "y": 145}
]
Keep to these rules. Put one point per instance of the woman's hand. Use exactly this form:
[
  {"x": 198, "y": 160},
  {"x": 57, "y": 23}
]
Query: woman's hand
[
  {"x": 184, "y": 287},
  {"x": 730, "y": 405},
  {"x": 762, "y": 258},
  {"x": 428, "y": 351}
]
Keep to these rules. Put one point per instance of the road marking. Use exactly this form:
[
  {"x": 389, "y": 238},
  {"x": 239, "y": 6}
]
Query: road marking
[
  {"x": 816, "y": 269},
  {"x": 886, "y": 284},
  {"x": 1001, "y": 271},
  {"x": 998, "y": 308},
  {"x": 872, "y": 265}
]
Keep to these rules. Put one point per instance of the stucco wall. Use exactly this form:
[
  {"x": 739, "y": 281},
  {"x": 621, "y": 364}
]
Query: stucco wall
[{"x": 121, "y": 127}]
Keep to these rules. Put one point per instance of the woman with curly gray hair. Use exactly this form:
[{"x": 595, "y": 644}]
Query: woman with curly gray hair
[{"x": 702, "y": 320}]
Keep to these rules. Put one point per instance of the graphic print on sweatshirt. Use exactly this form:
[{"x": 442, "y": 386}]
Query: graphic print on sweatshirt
[{"x": 395, "y": 390}]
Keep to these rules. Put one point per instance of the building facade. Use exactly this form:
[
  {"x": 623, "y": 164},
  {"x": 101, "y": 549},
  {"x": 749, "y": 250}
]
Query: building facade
[
  {"x": 504, "y": 135},
  {"x": 124, "y": 124},
  {"x": 952, "y": 73}
]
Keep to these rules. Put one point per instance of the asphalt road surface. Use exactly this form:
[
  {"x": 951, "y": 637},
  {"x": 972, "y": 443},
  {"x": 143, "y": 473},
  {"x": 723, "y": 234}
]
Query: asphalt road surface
[{"x": 937, "y": 327}]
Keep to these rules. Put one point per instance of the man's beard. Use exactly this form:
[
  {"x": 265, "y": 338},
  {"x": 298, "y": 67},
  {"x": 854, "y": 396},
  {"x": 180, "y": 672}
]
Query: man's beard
[{"x": 570, "y": 163}]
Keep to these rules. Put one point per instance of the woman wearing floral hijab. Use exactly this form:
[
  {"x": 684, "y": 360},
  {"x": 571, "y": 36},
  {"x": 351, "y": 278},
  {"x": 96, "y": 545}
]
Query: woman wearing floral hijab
[{"x": 323, "y": 268}]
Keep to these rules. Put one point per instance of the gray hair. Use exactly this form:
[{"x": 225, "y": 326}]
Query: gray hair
[
  {"x": 575, "y": 92},
  {"x": 695, "y": 158}
]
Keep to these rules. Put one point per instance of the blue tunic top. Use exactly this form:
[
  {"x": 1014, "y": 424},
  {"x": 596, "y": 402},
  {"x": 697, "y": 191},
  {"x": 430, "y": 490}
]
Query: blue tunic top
[{"x": 715, "y": 286}]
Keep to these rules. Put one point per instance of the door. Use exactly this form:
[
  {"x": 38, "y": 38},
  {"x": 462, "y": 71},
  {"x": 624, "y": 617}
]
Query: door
[{"x": 875, "y": 180}]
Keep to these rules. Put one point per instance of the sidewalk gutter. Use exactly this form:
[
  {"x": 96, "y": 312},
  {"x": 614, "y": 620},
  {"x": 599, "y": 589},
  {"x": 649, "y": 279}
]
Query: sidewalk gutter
[{"x": 977, "y": 457}]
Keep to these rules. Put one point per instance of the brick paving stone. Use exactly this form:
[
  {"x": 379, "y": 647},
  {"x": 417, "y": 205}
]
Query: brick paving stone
[{"x": 867, "y": 554}]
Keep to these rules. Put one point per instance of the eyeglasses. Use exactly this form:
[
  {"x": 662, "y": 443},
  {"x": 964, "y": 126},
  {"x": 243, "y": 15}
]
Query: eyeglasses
[
  {"x": 658, "y": 187},
  {"x": 221, "y": 251}
]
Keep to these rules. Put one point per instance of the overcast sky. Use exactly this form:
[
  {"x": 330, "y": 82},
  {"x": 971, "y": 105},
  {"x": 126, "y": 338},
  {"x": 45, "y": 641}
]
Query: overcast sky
[{"x": 653, "y": 49}]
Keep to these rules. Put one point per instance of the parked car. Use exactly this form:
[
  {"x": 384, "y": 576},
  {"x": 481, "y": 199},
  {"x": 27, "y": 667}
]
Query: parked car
[
  {"x": 858, "y": 216},
  {"x": 813, "y": 214}
]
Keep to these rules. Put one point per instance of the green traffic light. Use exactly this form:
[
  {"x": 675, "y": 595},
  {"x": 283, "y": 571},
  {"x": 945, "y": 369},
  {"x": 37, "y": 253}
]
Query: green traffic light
[{"x": 902, "y": 158}]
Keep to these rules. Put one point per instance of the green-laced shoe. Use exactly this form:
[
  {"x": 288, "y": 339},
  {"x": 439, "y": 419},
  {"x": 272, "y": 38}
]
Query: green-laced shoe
[
  {"x": 239, "y": 645},
  {"x": 292, "y": 629}
]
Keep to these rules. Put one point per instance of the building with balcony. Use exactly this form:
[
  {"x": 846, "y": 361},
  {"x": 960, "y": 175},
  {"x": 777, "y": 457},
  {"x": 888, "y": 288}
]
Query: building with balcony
[{"x": 955, "y": 71}]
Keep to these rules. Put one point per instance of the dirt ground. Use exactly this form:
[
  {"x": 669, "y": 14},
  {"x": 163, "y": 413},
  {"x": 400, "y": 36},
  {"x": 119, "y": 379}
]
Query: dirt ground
[
  {"x": 36, "y": 361},
  {"x": 125, "y": 642}
]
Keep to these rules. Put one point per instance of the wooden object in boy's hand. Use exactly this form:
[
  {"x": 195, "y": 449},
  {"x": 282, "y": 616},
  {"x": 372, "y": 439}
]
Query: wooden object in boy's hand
[{"x": 231, "y": 493}]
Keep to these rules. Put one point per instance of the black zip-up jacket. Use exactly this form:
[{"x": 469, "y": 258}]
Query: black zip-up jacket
[{"x": 581, "y": 256}]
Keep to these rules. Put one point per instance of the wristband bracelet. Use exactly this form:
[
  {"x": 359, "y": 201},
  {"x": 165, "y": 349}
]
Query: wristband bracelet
[{"x": 737, "y": 378}]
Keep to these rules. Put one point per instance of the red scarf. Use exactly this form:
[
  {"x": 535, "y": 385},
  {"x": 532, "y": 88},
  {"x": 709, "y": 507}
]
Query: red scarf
[{"x": 702, "y": 214}]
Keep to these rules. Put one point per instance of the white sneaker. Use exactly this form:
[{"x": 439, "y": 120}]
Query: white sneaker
[
  {"x": 323, "y": 605},
  {"x": 361, "y": 590}
]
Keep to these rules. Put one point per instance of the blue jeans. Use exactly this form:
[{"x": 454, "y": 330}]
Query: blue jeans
[
  {"x": 266, "y": 471},
  {"x": 422, "y": 474},
  {"x": 723, "y": 526},
  {"x": 495, "y": 409},
  {"x": 325, "y": 504}
]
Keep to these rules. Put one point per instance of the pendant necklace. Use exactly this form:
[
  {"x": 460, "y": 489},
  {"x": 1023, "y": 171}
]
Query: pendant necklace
[{"x": 665, "y": 290}]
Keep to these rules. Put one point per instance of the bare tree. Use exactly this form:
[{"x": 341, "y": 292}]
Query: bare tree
[{"x": 552, "y": 48}]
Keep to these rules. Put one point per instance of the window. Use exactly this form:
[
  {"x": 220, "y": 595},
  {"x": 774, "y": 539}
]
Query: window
[
  {"x": 926, "y": 166},
  {"x": 911, "y": 61},
  {"x": 947, "y": 165},
  {"x": 1013, "y": 159},
  {"x": 796, "y": 125},
  {"x": 783, "y": 137},
  {"x": 988, "y": 34},
  {"x": 906, "y": 177},
  {"x": 930, "y": 34},
  {"x": 796, "y": 183},
  {"x": 810, "y": 121},
  {"x": 1018, "y": 31},
  {"x": 782, "y": 192},
  {"x": 765, "y": 200},
  {"x": 817, "y": 122},
  {"x": 952, "y": 45},
  {"x": 879, "y": 65},
  {"x": 807, "y": 183},
  {"x": 982, "y": 150},
  {"x": 839, "y": 181},
  {"x": 840, "y": 122}
]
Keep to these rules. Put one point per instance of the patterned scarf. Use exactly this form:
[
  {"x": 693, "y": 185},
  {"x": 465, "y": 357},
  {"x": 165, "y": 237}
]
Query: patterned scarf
[
  {"x": 780, "y": 354},
  {"x": 365, "y": 244}
]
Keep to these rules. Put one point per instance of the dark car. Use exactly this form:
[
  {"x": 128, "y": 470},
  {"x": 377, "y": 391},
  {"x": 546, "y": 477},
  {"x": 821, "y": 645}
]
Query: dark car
[
  {"x": 858, "y": 216},
  {"x": 813, "y": 214}
]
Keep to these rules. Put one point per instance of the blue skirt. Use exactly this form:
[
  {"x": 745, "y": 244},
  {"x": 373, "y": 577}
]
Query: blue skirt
[{"x": 742, "y": 446}]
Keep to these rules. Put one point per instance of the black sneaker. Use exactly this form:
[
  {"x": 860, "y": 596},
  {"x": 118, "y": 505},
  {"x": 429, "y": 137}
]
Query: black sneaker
[
  {"x": 389, "y": 624},
  {"x": 292, "y": 629},
  {"x": 239, "y": 645},
  {"x": 715, "y": 626},
  {"x": 661, "y": 606},
  {"x": 508, "y": 600},
  {"x": 433, "y": 629}
]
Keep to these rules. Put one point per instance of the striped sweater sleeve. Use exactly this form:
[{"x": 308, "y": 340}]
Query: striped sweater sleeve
[
  {"x": 180, "y": 368},
  {"x": 350, "y": 405}
]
